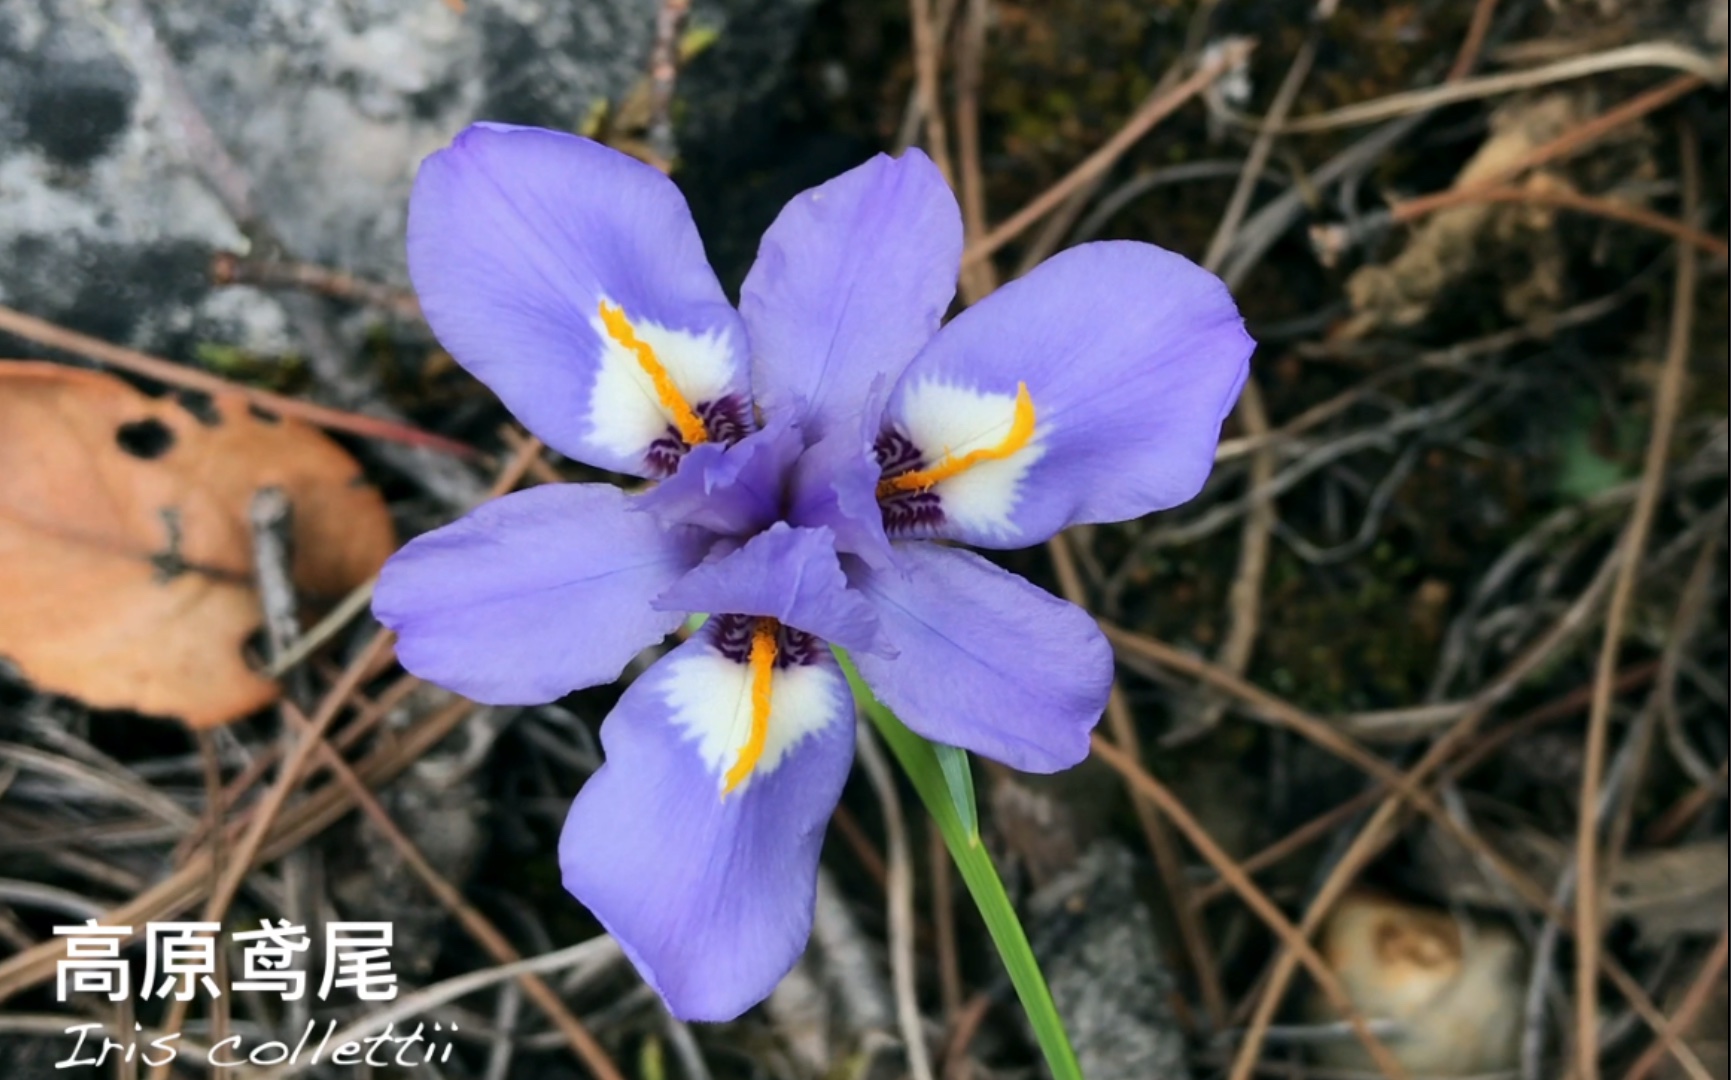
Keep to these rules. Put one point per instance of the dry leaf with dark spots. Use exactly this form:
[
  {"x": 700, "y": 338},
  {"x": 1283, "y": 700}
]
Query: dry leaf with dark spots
[{"x": 126, "y": 567}]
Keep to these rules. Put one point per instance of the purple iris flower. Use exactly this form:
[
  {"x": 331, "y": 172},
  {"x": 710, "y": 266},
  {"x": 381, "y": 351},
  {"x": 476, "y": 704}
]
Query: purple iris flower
[{"x": 814, "y": 452}]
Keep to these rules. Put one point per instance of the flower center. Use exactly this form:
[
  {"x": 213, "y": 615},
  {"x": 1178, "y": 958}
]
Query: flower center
[
  {"x": 685, "y": 419},
  {"x": 949, "y": 465}
]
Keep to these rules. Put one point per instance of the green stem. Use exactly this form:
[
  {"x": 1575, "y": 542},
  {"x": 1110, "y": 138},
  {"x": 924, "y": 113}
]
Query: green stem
[{"x": 920, "y": 760}]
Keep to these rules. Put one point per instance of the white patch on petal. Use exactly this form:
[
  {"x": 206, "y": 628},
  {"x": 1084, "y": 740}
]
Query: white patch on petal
[
  {"x": 625, "y": 416},
  {"x": 709, "y": 697},
  {"x": 941, "y": 418}
]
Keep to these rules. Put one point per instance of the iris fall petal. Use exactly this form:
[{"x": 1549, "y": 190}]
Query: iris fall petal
[
  {"x": 535, "y": 594},
  {"x": 985, "y": 661},
  {"x": 710, "y": 895},
  {"x": 1131, "y": 356},
  {"x": 518, "y": 236}
]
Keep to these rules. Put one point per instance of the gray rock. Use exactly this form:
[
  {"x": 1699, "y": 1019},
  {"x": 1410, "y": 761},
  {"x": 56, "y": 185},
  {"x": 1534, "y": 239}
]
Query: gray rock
[
  {"x": 1096, "y": 941},
  {"x": 136, "y": 138}
]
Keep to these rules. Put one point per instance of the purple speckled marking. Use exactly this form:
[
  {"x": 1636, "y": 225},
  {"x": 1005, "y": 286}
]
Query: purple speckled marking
[
  {"x": 727, "y": 419},
  {"x": 906, "y": 513},
  {"x": 732, "y": 636}
]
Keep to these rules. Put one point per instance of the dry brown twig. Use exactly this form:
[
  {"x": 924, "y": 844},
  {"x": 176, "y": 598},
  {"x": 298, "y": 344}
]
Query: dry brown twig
[
  {"x": 583, "y": 1044},
  {"x": 1253, "y": 897},
  {"x": 1244, "y": 598},
  {"x": 1667, "y": 399},
  {"x": 854, "y": 836},
  {"x": 1568, "y": 144},
  {"x": 914, "y": 111},
  {"x": 1474, "y": 42},
  {"x": 928, "y": 47},
  {"x": 904, "y": 971},
  {"x": 1399, "y": 787},
  {"x": 967, "y": 1025},
  {"x": 1597, "y": 206},
  {"x": 1159, "y": 106},
  {"x": 1694, "y": 1000},
  {"x": 1686, "y": 809},
  {"x": 230, "y": 268},
  {"x": 979, "y": 278},
  {"x": 183, "y": 888},
  {"x": 1645, "y": 55},
  {"x": 59, "y": 338},
  {"x": 1167, "y": 860},
  {"x": 950, "y": 987},
  {"x": 670, "y": 19}
]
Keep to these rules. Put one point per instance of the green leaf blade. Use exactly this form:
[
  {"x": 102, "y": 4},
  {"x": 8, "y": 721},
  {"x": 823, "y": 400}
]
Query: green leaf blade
[
  {"x": 958, "y": 823},
  {"x": 958, "y": 778}
]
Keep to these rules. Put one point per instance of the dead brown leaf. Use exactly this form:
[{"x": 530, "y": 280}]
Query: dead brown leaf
[{"x": 126, "y": 570}]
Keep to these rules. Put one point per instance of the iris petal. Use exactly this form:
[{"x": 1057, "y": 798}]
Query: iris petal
[
  {"x": 711, "y": 897},
  {"x": 834, "y": 485},
  {"x": 729, "y": 490},
  {"x": 985, "y": 661},
  {"x": 787, "y": 574},
  {"x": 535, "y": 594},
  {"x": 850, "y": 281},
  {"x": 522, "y": 240},
  {"x": 1132, "y": 357}
]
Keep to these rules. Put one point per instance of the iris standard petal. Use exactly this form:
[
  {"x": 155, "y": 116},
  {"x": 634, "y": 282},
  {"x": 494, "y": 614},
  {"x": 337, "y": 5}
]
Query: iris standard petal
[
  {"x": 850, "y": 281},
  {"x": 710, "y": 895},
  {"x": 729, "y": 490},
  {"x": 834, "y": 485},
  {"x": 1091, "y": 390},
  {"x": 784, "y": 573},
  {"x": 986, "y": 661},
  {"x": 570, "y": 279},
  {"x": 535, "y": 594}
]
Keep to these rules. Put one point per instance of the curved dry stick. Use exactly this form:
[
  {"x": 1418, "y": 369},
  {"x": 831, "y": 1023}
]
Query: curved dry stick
[
  {"x": 670, "y": 18},
  {"x": 1610, "y": 209},
  {"x": 232, "y": 268},
  {"x": 900, "y": 887},
  {"x": 1186, "y": 912},
  {"x": 1253, "y": 897},
  {"x": 1693, "y": 1002},
  {"x": 979, "y": 278},
  {"x": 1573, "y": 141},
  {"x": 967, "y": 1025},
  {"x": 1667, "y": 402},
  {"x": 45, "y": 333},
  {"x": 1653, "y": 54},
  {"x": 185, "y": 886},
  {"x": 583, "y": 1043},
  {"x": 1401, "y": 787},
  {"x": 1155, "y": 109},
  {"x": 1244, "y": 599},
  {"x": 1468, "y": 56},
  {"x": 594, "y": 952},
  {"x": 926, "y": 48}
]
